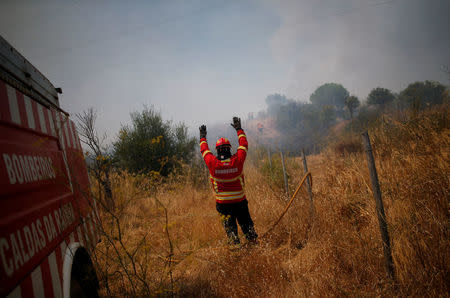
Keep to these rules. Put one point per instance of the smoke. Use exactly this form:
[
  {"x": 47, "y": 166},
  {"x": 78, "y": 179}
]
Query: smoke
[
  {"x": 361, "y": 44},
  {"x": 289, "y": 125}
]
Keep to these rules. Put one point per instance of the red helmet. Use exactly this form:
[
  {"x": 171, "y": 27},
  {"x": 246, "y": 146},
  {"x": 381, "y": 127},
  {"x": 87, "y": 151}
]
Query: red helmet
[{"x": 222, "y": 142}]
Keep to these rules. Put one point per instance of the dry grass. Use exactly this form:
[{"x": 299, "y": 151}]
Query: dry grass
[{"x": 338, "y": 253}]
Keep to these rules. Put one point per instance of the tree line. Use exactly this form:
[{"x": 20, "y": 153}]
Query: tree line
[{"x": 308, "y": 124}]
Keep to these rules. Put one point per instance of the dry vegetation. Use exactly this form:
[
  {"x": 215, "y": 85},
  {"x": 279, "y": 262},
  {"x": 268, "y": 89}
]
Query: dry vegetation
[{"x": 171, "y": 242}]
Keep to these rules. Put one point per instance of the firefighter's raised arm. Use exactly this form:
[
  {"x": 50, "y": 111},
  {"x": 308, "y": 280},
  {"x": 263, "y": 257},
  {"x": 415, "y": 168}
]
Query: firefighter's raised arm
[
  {"x": 204, "y": 149},
  {"x": 243, "y": 144}
]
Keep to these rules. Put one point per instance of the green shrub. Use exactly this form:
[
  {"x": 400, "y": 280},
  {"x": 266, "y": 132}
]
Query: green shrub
[{"x": 152, "y": 144}]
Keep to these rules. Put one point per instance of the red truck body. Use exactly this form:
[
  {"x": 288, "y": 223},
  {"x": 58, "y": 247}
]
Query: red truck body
[{"x": 47, "y": 214}]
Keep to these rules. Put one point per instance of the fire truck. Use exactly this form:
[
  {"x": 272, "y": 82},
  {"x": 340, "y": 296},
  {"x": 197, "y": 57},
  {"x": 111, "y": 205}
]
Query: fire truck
[{"x": 48, "y": 219}]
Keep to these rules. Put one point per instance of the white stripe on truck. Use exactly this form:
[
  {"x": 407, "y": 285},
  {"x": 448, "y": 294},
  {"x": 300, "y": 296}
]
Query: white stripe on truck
[
  {"x": 59, "y": 130},
  {"x": 56, "y": 281},
  {"x": 86, "y": 233},
  {"x": 13, "y": 105},
  {"x": 29, "y": 110},
  {"x": 63, "y": 247},
  {"x": 80, "y": 236},
  {"x": 16, "y": 293},
  {"x": 52, "y": 124},
  {"x": 38, "y": 284},
  {"x": 42, "y": 118},
  {"x": 66, "y": 134},
  {"x": 72, "y": 134}
]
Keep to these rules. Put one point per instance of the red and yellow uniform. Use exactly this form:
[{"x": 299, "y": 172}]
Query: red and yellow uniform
[{"x": 226, "y": 175}]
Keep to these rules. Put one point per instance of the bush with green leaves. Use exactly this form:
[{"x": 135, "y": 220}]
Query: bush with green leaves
[
  {"x": 380, "y": 97},
  {"x": 330, "y": 94},
  {"x": 420, "y": 95},
  {"x": 352, "y": 103},
  {"x": 151, "y": 144}
]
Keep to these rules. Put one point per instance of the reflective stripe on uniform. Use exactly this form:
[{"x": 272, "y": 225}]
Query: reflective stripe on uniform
[
  {"x": 242, "y": 182},
  {"x": 216, "y": 188},
  {"x": 227, "y": 198},
  {"x": 243, "y": 148},
  {"x": 203, "y": 142},
  {"x": 230, "y": 193},
  {"x": 206, "y": 152},
  {"x": 242, "y": 135},
  {"x": 225, "y": 180}
]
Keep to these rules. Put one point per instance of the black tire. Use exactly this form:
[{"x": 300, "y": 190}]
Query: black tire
[
  {"x": 83, "y": 282},
  {"x": 75, "y": 289}
]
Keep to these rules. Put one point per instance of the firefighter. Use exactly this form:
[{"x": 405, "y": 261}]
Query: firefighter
[{"x": 227, "y": 181}]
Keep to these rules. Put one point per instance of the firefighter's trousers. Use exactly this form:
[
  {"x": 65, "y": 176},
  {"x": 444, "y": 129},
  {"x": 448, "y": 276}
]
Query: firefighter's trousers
[{"x": 230, "y": 213}]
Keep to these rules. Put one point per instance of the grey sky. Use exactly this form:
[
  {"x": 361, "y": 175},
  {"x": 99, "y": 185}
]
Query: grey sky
[{"x": 205, "y": 61}]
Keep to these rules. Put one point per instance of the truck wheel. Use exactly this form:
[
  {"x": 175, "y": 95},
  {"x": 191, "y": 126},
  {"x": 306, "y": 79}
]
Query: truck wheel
[
  {"x": 75, "y": 289},
  {"x": 83, "y": 281}
]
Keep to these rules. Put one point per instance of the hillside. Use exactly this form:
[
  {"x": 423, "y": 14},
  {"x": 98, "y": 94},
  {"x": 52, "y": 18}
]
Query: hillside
[{"x": 171, "y": 242}]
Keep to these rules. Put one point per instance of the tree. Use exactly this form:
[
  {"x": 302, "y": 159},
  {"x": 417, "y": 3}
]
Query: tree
[
  {"x": 380, "y": 97},
  {"x": 274, "y": 103},
  {"x": 331, "y": 94},
  {"x": 327, "y": 116},
  {"x": 151, "y": 144},
  {"x": 100, "y": 160},
  {"x": 288, "y": 116},
  {"x": 352, "y": 102},
  {"x": 419, "y": 95}
]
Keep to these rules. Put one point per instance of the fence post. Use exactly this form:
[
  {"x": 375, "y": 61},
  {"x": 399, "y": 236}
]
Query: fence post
[
  {"x": 308, "y": 184},
  {"x": 286, "y": 186},
  {"x": 389, "y": 263}
]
